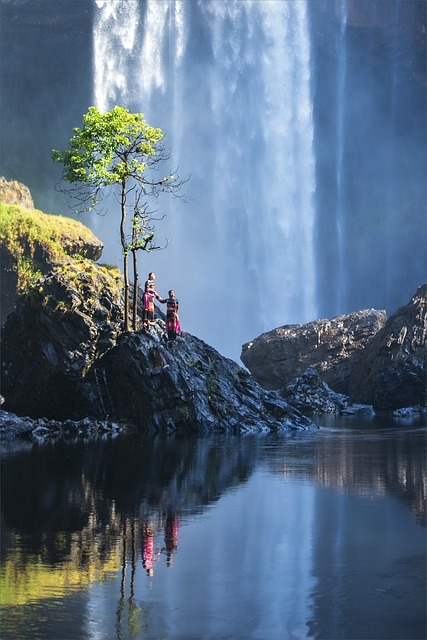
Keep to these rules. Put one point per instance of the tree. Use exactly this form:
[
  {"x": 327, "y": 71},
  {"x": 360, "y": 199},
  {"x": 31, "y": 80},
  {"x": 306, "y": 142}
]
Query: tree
[{"x": 116, "y": 149}]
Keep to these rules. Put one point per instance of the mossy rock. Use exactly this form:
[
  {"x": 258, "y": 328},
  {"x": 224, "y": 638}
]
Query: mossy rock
[{"x": 33, "y": 242}]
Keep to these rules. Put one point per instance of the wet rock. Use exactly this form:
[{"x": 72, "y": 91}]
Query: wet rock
[
  {"x": 187, "y": 385},
  {"x": 54, "y": 337},
  {"x": 391, "y": 373},
  {"x": 310, "y": 394},
  {"x": 14, "y": 427},
  {"x": 331, "y": 347},
  {"x": 358, "y": 410},
  {"x": 411, "y": 413}
]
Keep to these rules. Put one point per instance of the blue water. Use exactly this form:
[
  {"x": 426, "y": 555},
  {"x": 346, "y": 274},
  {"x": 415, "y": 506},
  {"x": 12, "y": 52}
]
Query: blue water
[{"x": 311, "y": 535}]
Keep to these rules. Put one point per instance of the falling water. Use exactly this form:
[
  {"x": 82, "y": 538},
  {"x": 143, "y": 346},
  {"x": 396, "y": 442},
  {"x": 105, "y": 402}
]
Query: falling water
[
  {"x": 114, "y": 36},
  {"x": 340, "y": 141},
  {"x": 229, "y": 82}
]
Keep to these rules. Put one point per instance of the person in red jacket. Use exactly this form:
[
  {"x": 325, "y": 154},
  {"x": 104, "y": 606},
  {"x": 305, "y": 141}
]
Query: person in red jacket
[
  {"x": 148, "y": 301},
  {"x": 173, "y": 326}
]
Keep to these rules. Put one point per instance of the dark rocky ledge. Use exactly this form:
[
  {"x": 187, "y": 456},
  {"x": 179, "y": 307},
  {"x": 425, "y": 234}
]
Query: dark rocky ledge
[
  {"x": 185, "y": 385},
  {"x": 64, "y": 357}
]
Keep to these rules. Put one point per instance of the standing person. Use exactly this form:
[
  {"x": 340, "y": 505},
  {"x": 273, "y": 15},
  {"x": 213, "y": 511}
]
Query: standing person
[
  {"x": 173, "y": 326},
  {"x": 148, "y": 301}
]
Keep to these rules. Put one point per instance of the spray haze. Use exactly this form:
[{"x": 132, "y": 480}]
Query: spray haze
[
  {"x": 301, "y": 124},
  {"x": 230, "y": 84}
]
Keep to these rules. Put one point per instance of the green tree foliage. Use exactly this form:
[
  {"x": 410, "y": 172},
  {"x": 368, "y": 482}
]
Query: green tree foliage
[{"x": 116, "y": 149}]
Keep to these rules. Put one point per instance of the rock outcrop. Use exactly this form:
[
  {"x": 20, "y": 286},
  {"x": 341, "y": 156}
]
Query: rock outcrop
[
  {"x": 65, "y": 357},
  {"x": 391, "y": 373},
  {"x": 32, "y": 243},
  {"x": 13, "y": 192},
  {"x": 372, "y": 360},
  {"x": 54, "y": 366},
  {"x": 185, "y": 386},
  {"x": 25, "y": 428},
  {"x": 331, "y": 347},
  {"x": 71, "y": 318},
  {"x": 310, "y": 395}
]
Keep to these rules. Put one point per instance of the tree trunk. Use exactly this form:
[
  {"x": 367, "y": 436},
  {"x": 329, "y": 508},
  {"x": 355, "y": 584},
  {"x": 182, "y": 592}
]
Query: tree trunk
[
  {"x": 135, "y": 290},
  {"x": 125, "y": 255}
]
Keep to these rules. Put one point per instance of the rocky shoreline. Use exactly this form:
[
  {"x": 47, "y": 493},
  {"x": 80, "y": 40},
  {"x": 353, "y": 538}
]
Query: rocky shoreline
[{"x": 14, "y": 427}]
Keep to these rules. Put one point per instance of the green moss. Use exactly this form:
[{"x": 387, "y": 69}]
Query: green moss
[
  {"x": 37, "y": 241},
  {"x": 112, "y": 271},
  {"x": 242, "y": 373},
  {"x": 211, "y": 385},
  {"x": 61, "y": 307},
  {"x": 27, "y": 274}
]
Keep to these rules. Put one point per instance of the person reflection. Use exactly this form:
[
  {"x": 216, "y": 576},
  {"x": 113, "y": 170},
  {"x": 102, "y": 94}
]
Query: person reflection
[
  {"x": 171, "y": 537},
  {"x": 148, "y": 553}
]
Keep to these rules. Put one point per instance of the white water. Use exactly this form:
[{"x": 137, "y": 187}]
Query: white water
[
  {"x": 340, "y": 141},
  {"x": 229, "y": 82},
  {"x": 114, "y": 38}
]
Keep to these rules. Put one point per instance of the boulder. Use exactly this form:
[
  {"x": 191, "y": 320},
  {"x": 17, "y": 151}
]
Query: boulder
[
  {"x": 331, "y": 347},
  {"x": 391, "y": 373},
  {"x": 309, "y": 394},
  {"x": 184, "y": 386},
  {"x": 71, "y": 318}
]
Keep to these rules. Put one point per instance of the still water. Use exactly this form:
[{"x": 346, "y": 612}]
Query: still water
[{"x": 301, "y": 535}]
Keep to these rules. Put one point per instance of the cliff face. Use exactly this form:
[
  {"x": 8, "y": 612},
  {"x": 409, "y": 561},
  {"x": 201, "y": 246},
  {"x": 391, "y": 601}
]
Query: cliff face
[{"x": 71, "y": 317}]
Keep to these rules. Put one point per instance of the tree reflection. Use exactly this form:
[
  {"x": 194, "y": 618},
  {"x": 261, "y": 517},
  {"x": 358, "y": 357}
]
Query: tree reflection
[
  {"x": 75, "y": 513},
  {"x": 92, "y": 508}
]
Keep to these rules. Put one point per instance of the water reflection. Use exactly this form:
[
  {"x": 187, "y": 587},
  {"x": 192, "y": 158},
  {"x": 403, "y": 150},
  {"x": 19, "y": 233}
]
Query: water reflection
[
  {"x": 288, "y": 536},
  {"x": 67, "y": 509}
]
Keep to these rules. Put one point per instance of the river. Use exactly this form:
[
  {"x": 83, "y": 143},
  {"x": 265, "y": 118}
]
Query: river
[{"x": 275, "y": 536}]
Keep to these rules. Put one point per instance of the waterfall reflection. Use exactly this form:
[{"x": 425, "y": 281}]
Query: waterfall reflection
[{"x": 75, "y": 513}]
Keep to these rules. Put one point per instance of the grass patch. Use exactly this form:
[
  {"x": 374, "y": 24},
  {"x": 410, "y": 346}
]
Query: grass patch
[{"x": 37, "y": 241}]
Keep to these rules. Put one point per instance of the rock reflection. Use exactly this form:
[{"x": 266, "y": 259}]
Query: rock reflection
[
  {"x": 364, "y": 462},
  {"x": 76, "y": 514}
]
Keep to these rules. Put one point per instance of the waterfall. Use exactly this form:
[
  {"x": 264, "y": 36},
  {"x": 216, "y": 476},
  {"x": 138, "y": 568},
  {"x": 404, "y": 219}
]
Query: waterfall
[
  {"x": 341, "y": 53},
  {"x": 114, "y": 36},
  {"x": 229, "y": 82}
]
